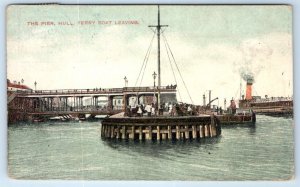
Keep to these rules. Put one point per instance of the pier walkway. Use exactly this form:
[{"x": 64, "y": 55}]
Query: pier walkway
[{"x": 97, "y": 101}]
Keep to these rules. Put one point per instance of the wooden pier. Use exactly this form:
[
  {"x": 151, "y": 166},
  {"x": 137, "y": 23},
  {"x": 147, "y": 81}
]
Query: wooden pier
[
  {"x": 161, "y": 127},
  {"x": 43, "y": 104}
]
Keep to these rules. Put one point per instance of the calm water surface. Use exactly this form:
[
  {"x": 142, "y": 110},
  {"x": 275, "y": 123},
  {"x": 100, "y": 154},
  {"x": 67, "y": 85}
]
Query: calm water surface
[{"x": 73, "y": 150}]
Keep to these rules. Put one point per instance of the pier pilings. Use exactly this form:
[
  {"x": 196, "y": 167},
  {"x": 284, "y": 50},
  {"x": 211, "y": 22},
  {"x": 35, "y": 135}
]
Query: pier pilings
[{"x": 134, "y": 129}]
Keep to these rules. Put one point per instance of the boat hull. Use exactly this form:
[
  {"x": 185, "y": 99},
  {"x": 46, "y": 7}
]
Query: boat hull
[{"x": 236, "y": 119}]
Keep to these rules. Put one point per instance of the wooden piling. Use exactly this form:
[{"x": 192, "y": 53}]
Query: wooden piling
[
  {"x": 181, "y": 133},
  {"x": 169, "y": 132},
  {"x": 150, "y": 133},
  {"x": 118, "y": 132},
  {"x": 131, "y": 136},
  {"x": 162, "y": 128},
  {"x": 177, "y": 132},
  {"x": 214, "y": 127},
  {"x": 206, "y": 131},
  {"x": 158, "y": 132},
  {"x": 201, "y": 130},
  {"x": 194, "y": 132},
  {"x": 112, "y": 132},
  {"x": 147, "y": 136},
  {"x": 102, "y": 129},
  {"x": 124, "y": 132},
  {"x": 140, "y": 133},
  {"x": 107, "y": 134},
  {"x": 187, "y": 133}
]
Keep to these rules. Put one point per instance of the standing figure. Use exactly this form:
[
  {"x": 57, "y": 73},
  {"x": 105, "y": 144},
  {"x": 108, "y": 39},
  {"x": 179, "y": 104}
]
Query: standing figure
[
  {"x": 139, "y": 111},
  {"x": 148, "y": 109},
  {"x": 233, "y": 106},
  {"x": 153, "y": 111}
]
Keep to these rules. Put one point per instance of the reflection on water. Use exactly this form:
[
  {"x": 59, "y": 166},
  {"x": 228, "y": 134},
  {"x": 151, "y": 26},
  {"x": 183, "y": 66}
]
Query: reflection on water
[
  {"x": 154, "y": 148},
  {"x": 250, "y": 126},
  {"x": 73, "y": 150}
]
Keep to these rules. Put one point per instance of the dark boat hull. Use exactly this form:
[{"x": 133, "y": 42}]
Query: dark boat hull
[{"x": 236, "y": 119}]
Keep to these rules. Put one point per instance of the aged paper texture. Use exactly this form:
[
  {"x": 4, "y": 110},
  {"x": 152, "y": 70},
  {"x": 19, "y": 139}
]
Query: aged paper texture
[{"x": 147, "y": 92}]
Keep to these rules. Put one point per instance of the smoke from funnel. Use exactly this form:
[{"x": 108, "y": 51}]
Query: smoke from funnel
[
  {"x": 255, "y": 55},
  {"x": 246, "y": 75}
]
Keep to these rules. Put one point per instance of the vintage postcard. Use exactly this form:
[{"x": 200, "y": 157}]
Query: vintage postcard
[{"x": 150, "y": 92}]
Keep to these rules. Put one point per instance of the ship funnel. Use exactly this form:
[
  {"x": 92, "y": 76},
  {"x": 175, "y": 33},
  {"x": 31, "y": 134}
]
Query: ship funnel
[{"x": 249, "y": 89}]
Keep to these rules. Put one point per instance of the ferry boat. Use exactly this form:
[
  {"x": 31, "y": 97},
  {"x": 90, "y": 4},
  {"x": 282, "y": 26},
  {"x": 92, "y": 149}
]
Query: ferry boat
[
  {"x": 233, "y": 115},
  {"x": 273, "y": 106},
  {"x": 242, "y": 116}
]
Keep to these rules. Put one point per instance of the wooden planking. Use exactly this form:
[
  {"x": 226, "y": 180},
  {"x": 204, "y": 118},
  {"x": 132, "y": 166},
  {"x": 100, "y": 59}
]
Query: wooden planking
[{"x": 161, "y": 131}]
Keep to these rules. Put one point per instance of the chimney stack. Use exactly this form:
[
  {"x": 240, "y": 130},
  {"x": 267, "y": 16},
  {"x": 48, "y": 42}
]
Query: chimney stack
[{"x": 249, "y": 88}]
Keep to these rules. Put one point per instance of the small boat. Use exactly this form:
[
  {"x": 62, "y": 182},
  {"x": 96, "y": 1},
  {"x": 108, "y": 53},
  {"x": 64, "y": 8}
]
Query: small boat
[{"x": 242, "y": 116}]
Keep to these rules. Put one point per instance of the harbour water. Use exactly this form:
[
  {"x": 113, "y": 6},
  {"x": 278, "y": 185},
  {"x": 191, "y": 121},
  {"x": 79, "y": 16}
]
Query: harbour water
[{"x": 75, "y": 150}]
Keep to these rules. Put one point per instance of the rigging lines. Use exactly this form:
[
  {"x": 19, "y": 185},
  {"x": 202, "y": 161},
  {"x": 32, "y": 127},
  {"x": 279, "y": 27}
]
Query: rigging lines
[
  {"x": 145, "y": 62},
  {"x": 165, "y": 39}
]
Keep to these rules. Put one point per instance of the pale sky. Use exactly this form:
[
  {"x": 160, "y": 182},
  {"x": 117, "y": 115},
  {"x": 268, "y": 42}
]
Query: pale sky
[{"x": 212, "y": 45}]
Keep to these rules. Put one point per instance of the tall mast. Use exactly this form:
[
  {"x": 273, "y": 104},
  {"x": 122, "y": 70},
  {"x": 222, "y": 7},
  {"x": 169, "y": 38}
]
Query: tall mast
[
  {"x": 158, "y": 27},
  {"x": 158, "y": 56}
]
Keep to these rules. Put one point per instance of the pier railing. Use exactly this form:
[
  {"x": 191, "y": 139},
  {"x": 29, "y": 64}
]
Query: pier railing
[
  {"x": 74, "y": 101},
  {"x": 96, "y": 90}
]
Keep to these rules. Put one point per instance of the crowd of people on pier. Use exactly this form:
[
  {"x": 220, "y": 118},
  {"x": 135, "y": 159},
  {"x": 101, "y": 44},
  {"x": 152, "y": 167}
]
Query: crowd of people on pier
[
  {"x": 171, "y": 86},
  {"x": 166, "y": 109},
  {"x": 175, "y": 109}
]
